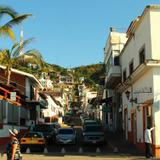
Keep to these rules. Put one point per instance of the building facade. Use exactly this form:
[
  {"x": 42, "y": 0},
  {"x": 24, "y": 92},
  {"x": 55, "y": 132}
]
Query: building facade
[
  {"x": 138, "y": 86},
  {"x": 20, "y": 110},
  {"x": 111, "y": 107}
]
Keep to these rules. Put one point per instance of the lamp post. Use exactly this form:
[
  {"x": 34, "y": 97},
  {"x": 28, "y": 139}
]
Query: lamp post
[
  {"x": 128, "y": 97},
  {"x": 127, "y": 93}
]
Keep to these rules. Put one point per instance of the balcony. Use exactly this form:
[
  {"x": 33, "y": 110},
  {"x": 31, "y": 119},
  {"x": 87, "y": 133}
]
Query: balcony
[{"x": 113, "y": 77}]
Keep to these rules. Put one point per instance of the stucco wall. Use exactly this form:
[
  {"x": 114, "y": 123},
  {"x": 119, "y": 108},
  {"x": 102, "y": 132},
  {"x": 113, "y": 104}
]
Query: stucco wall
[
  {"x": 156, "y": 105},
  {"x": 140, "y": 38},
  {"x": 155, "y": 32},
  {"x": 142, "y": 85}
]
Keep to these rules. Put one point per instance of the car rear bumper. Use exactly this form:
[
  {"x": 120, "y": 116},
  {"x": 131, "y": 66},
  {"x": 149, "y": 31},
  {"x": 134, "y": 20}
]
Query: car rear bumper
[
  {"x": 94, "y": 141},
  {"x": 65, "y": 141},
  {"x": 32, "y": 146}
]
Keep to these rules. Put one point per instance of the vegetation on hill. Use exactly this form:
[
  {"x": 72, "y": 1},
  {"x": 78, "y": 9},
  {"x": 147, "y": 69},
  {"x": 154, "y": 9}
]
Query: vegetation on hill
[{"x": 91, "y": 74}]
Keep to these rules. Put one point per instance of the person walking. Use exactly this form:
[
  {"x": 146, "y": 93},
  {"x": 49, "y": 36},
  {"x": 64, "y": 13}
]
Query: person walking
[
  {"x": 13, "y": 148},
  {"x": 148, "y": 142}
]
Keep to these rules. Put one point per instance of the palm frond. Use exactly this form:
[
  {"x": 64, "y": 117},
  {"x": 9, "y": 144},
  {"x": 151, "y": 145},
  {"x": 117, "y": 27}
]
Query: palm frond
[
  {"x": 14, "y": 46},
  {"x": 17, "y": 20},
  {"x": 4, "y": 56},
  {"x": 7, "y": 10},
  {"x": 7, "y": 31},
  {"x": 20, "y": 47},
  {"x": 32, "y": 56},
  {"x": 34, "y": 53}
]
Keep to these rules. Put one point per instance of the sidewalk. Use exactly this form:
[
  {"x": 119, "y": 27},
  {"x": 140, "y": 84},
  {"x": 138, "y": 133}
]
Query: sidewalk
[{"x": 119, "y": 145}]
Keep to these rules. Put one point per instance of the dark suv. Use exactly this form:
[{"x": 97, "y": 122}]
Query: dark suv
[
  {"x": 93, "y": 134},
  {"x": 48, "y": 131}
]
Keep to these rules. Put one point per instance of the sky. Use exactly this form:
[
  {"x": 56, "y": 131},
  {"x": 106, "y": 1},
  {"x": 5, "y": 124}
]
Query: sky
[{"x": 72, "y": 33}]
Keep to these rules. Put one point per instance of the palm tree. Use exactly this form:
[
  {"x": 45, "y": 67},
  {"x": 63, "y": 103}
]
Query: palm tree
[
  {"x": 10, "y": 57},
  {"x": 6, "y": 29}
]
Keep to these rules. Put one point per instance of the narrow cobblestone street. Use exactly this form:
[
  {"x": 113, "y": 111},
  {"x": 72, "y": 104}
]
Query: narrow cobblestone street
[{"x": 80, "y": 157}]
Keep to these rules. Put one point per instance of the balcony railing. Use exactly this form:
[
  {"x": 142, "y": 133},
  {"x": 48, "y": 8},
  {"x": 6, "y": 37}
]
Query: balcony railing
[{"x": 113, "y": 77}]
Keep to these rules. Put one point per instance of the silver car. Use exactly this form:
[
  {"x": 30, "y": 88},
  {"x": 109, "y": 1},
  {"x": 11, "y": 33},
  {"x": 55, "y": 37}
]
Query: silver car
[{"x": 66, "y": 136}]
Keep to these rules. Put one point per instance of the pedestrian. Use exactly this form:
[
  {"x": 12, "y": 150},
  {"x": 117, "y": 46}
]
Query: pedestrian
[
  {"x": 13, "y": 148},
  {"x": 31, "y": 127},
  {"x": 148, "y": 142}
]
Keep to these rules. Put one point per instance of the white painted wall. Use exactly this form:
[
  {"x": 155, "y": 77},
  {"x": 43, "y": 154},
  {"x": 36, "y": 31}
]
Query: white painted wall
[
  {"x": 141, "y": 37},
  {"x": 142, "y": 84},
  {"x": 156, "y": 105},
  {"x": 155, "y": 32},
  {"x": 52, "y": 108}
]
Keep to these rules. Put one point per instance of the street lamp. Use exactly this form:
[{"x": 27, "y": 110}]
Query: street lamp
[
  {"x": 128, "y": 97},
  {"x": 127, "y": 93}
]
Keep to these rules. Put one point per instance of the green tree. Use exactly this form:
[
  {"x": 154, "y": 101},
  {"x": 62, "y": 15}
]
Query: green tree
[
  {"x": 6, "y": 29},
  {"x": 10, "y": 57}
]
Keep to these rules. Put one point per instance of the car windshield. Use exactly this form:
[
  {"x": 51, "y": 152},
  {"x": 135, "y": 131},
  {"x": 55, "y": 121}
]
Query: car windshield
[
  {"x": 43, "y": 128},
  {"x": 65, "y": 131},
  {"x": 93, "y": 129},
  {"x": 90, "y": 123},
  {"x": 33, "y": 135}
]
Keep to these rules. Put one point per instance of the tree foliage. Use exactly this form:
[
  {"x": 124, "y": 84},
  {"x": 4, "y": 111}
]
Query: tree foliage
[{"x": 91, "y": 74}]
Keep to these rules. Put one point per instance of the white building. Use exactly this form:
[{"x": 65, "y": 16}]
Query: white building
[
  {"x": 46, "y": 82},
  {"x": 139, "y": 87},
  {"x": 112, "y": 115},
  {"x": 53, "y": 108},
  {"x": 89, "y": 95}
]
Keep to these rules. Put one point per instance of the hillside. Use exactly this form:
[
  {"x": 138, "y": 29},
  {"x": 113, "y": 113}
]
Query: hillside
[{"x": 91, "y": 74}]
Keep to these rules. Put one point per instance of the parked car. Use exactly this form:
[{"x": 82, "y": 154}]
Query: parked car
[
  {"x": 84, "y": 119},
  {"x": 32, "y": 140},
  {"x": 90, "y": 122},
  {"x": 66, "y": 136},
  {"x": 93, "y": 134},
  {"x": 56, "y": 125},
  {"x": 48, "y": 131}
]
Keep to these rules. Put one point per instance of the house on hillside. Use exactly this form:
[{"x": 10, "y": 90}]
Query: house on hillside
[
  {"x": 46, "y": 82},
  {"x": 68, "y": 79},
  {"x": 19, "y": 102}
]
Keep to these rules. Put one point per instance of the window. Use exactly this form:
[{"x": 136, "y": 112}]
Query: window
[
  {"x": 148, "y": 116},
  {"x": 116, "y": 60},
  {"x": 124, "y": 75},
  {"x": 131, "y": 67},
  {"x": 142, "y": 56}
]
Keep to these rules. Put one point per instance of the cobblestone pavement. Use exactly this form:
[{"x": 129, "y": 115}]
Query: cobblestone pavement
[{"x": 79, "y": 157}]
